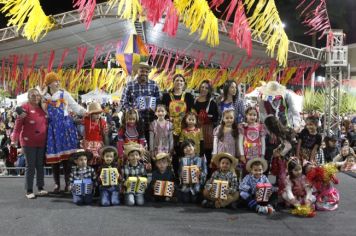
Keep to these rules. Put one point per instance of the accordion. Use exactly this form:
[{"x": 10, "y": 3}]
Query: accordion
[
  {"x": 136, "y": 185},
  {"x": 109, "y": 176},
  {"x": 190, "y": 174},
  {"x": 263, "y": 192},
  {"x": 146, "y": 102},
  {"x": 220, "y": 189},
  {"x": 82, "y": 187},
  {"x": 163, "y": 188}
]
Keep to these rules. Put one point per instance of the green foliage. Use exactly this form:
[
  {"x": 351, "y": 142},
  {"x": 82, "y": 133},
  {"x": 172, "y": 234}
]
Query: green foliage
[
  {"x": 315, "y": 101},
  {"x": 3, "y": 94}
]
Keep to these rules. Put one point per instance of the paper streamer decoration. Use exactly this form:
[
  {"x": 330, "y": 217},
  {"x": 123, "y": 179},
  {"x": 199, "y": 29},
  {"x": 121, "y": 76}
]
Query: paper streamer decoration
[
  {"x": 155, "y": 9},
  {"x": 37, "y": 25},
  {"x": 240, "y": 31},
  {"x": 196, "y": 15},
  {"x": 171, "y": 21},
  {"x": 86, "y": 9},
  {"x": 64, "y": 55},
  {"x": 50, "y": 61},
  {"x": 97, "y": 52},
  {"x": 316, "y": 19},
  {"x": 127, "y": 9},
  {"x": 82, "y": 51},
  {"x": 267, "y": 24},
  {"x": 132, "y": 51}
]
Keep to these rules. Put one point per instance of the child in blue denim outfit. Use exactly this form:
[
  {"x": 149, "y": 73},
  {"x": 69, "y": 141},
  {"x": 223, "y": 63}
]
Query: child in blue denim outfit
[
  {"x": 255, "y": 167},
  {"x": 109, "y": 179},
  {"x": 82, "y": 178}
]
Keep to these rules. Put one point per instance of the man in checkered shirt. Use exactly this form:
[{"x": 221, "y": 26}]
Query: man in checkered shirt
[{"x": 141, "y": 87}]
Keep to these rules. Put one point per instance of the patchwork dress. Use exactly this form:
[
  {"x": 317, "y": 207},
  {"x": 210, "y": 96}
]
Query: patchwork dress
[{"x": 62, "y": 137}]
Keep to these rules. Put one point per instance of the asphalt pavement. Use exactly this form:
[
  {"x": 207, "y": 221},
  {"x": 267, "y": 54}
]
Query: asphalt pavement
[{"x": 56, "y": 215}]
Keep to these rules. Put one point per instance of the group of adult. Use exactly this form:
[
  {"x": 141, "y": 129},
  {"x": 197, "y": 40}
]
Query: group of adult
[{"x": 47, "y": 132}]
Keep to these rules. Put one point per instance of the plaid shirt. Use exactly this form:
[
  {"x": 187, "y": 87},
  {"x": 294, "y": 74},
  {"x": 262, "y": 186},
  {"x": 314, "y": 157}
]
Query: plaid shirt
[
  {"x": 248, "y": 184},
  {"x": 133, "y": 90},
  {"x": 189, "y": 161},
  {"x": 229, "y": 176},
  {"x": 133, "y": 171},
  {"x": 82, "y": 173}
]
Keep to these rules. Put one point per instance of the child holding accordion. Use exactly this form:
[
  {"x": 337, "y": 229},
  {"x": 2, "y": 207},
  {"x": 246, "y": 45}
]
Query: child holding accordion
[
  {"x": 255, "y": 188},
  {"x": 222, "y": 188}
]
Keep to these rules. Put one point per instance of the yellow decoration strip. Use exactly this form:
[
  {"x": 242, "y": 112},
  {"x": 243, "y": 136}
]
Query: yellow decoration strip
[
  {"x": 265, "y": 19},
  {"x": 127, "y": 9},
  {"x": 197, "y": 15},
  {"x": 37, "y": 25},
  {"x": 288, "y": 75}
]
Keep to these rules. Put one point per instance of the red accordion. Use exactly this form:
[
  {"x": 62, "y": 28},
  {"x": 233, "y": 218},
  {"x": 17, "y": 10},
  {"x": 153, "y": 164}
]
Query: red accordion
[{"x": 263, "y": 192}]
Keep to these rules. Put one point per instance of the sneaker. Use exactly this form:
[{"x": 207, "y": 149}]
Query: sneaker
[
  {"x": 262, "y": 210},
  {"x": 270, "y": 210},
  {"x": 42, "y": 192},
  {"x": 56, "y": 189},
  {"x": 30, "y": 195}
]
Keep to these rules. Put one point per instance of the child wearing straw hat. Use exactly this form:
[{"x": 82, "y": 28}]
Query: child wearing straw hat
[
  {"x": 133, "y": 168},
  {"x": 249, "y": 184},
  {"x": 109, "y": 179},
  {"x": 82, "y": 178},
  {"x": 95, "y": 132},
  {"x": 226, "y": 172},
  {"x": 160, "y": 176}
]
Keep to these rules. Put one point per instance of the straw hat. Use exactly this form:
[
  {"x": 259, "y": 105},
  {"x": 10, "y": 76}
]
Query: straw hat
[
  {"x": 132, "y": 146},
  {"x": 81, "y": 152},
  {"x": 216, "y": 159},
  {"x": 141, "y": 65},
  {"x": 257, "y": 159},
  {"x": 273, "y": 88},
  {"x": 51, "y": 77},
  {"x": 94, "y": 107},
  {"x": 161, "y": 156},
  {"x": 108, "y": 149}
]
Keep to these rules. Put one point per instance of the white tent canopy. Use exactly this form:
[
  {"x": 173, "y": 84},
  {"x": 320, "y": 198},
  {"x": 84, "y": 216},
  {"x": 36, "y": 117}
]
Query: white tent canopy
[
  {"x": 21, "y": 99},
  {"x": 96, "y": 95}
]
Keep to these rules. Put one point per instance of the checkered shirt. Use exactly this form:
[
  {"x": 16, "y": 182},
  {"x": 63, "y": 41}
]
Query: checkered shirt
[
  {"x": 229, "y": 176},
  {"x": 133, "y": 171},
  {"x": 133, "y": 90},
  {"x": 82, "y": 173}
]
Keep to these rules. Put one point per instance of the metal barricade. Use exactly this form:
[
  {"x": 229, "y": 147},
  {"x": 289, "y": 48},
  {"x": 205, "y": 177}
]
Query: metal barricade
[{"x": 20, "y": 171}]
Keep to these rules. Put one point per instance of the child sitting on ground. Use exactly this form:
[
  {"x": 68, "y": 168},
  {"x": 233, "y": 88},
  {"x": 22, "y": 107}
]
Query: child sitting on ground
[
  {"x": 297, "y": 190},
  {"x": 109, "y": 185},
  {"x": 224, "y": 177},
  {"x": 192, "y": 173},
  {"x": 134, "y": 175},
  {"x": 82, "y": 178},
  {"x": 256, "y": 181},
  {"x": 162, "y": 183}
]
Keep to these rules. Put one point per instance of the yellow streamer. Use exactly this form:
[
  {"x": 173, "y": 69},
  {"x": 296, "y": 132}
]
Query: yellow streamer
[
  {"x": 127, "y": 9},
  {"x": 37, "y": 24},
  {"x": 265, "y": 19},
  {"x": 196, "y": 15}
]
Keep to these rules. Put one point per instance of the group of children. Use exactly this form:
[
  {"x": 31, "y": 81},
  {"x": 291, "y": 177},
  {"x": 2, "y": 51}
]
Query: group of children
[{"x": 184, "y": 174}]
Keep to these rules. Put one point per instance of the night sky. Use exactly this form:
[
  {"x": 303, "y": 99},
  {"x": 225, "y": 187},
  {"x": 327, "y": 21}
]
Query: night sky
[{"x": 341, "y": 12}]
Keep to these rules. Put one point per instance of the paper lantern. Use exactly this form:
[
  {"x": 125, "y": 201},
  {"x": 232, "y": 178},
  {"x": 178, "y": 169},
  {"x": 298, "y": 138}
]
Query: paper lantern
[{"x": 132, "y": 51}]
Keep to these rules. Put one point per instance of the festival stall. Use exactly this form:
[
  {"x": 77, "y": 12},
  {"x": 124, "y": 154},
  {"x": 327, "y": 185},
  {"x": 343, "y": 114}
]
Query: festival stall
[{"x": 96, "y": 95}]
